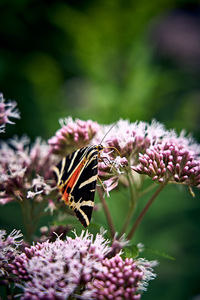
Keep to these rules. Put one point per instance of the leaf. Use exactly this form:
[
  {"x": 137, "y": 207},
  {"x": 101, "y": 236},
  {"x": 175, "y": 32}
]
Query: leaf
[
  {"x": 159, "y": 253},
  {"x": 131, "y": 251}
]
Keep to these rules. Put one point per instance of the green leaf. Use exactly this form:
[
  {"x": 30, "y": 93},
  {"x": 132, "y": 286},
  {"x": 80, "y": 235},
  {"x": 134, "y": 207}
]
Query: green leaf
[
  {"x": 131, "y": 252},
  {"x": 159, "y": 253}
]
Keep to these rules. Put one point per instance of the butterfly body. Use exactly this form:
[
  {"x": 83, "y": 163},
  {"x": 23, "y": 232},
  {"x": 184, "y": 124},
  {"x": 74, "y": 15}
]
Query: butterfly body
[{"x": 76, "y": 176}]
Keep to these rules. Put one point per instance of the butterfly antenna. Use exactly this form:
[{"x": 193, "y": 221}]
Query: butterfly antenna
[{"x": 107, "y": 133}]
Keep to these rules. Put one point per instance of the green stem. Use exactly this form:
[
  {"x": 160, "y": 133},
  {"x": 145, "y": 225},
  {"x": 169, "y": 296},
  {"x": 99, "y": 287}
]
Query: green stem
[
  {"x": 141, "y": 215},
  {"x": 132, "y": 187},
  {"x": 26, "y": 218},
  {"x": 106, "y": 211},
  {"x": 148, "y": 189},
  {"x": 133, "y": 204},
  {"x": 128, "y": 219},
  {"x": 29, "y": 219}
]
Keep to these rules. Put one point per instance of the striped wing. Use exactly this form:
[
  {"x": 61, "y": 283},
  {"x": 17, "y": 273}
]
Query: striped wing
[{"x": 76, "y": 179}]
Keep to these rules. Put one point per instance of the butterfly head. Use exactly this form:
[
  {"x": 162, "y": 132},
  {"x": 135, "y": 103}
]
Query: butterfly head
[{"x": 100, "y": 147}]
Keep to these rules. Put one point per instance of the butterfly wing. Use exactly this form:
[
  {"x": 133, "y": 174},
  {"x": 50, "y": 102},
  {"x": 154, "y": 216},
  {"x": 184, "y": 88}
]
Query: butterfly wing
[
  {"x": 84, "y": 191},
  {"x": 76, "y": 179}
]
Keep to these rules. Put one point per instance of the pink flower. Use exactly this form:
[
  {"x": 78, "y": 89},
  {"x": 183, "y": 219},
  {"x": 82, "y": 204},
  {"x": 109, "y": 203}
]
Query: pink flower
[
  {"x": 130, "y": 138},
  {"x": 24, "y": 168},
  {"x": 8, "y": 247},
  {"x": 57, "y": 270},
  {"x": 145, "y": 148},
  {"x": 175, "y": 159},
  {"x": 111, "y": 169},
  {"x": 72, "y": 135},
  {"x": 120, "y": 279},
  {"x": 80, "y": 267},
  {"x": 7, "y": 110}
]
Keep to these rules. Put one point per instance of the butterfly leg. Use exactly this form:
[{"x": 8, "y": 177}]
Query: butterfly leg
[
  {"x": 107, "y": 162},
  {"x": 101, "y": 182}
]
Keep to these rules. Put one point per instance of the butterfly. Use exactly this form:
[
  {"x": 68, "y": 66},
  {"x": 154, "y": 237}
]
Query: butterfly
[{"x": 76, "y": 176}]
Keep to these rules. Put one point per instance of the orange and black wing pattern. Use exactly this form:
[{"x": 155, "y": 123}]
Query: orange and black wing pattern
[{"x": 76, "y": 176}]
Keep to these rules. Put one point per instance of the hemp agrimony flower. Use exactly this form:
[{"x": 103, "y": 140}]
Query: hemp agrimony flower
[
  {"x": 8, "y": 246},
  {"x": 175, "y": 159},
  {"x": 130, "y": 138},
  {"x": 20, "y": 165},
  {"x": 85, "y": 266},
  {"x": 58, "y": 270},
  {"x": 120, "y": 279},
  {"x": 78, "y": 267},
  {"x": 7, "y": 110},
  {"x": 26, "y": 176},
  {"x": 73, "y": 135},
  {"x": 130, "y": 151}
]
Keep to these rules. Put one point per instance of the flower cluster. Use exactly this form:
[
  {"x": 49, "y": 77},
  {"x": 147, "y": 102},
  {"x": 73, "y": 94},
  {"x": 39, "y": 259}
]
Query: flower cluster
[
  {"x": 73, "y": 135},
  {"x": 121, "y": 279},
  {"x": 20, "y": 165},
  {"x": 130, "y": 138},
  {"x": 79, "y": 266},
  {"x": 175, "y": 159},
  {"x": 152, "y": 150},
  {"x": 58, "y": 269},
  {"x": 144, "y": 148},
  {"x": 86, "y": 267},
  {"x": 8, "y": 247},
  {"x": 7, "y": 110}
]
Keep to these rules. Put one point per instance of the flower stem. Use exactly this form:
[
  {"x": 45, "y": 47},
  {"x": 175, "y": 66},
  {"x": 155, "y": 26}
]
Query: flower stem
[
  {"x": 128, "y": 218},
  {"x": 26, "y": 211},
  {"x": 106, "y": 211},
  {"x": 132, "y": 206},
  {"x": 132, "y": 188},
  {"x": 29, "y": 219},
  {"x": 141, "y": 215},
  {"x": 148, "y": 189}
]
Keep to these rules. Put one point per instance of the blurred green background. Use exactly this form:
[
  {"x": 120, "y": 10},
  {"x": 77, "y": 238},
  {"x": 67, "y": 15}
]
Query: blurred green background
[{"x": 106, "y": 60}]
